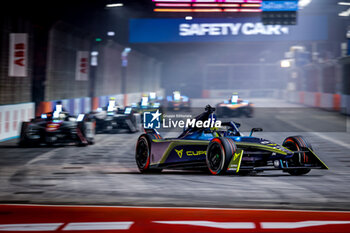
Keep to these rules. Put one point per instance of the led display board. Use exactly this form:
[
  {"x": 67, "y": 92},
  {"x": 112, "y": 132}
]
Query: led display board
[
  {"x": 225, "y": 29},
  {"x": 279, "y": 5}
]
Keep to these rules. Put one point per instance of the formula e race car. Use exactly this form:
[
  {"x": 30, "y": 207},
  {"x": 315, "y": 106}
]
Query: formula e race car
[
  {"x": 148, "y": 103},
  {"x": 57, "y": 127},
  {"x": 112, "y": 119},
  {"x": 177, "y": 102},
  {"x": 234, "y": 107},
  {"x": 223, "y": 149}
]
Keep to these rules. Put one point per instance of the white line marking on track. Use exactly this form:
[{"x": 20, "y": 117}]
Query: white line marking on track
[
  {"x": 221, "y": 225},
  {"x": 30, "y": 227},
  {"x": 321, "y": 135},
  {"x": 294, "y": 225},
  {"x": 79, "y": 226}
]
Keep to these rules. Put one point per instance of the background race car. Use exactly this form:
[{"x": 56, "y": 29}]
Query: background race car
[
  {"x": 177, "y": 102},
  {"x": 235, "y": 107},
  {"x": 148, "y": 103},
  {"x": 57, "y": 127},
  {"x": 113, "y": 119},
  {"x": 224, "y": 149}
]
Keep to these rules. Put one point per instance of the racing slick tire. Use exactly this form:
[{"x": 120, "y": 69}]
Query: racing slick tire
[
  {"x": 219, "y": 154},
  {"x": 249, "y": 112},
  {"x": 132, "y": 124},
  {"x": 297, "y": 143},
  {"x": 143, "y": 154},
  {"x": 83, "y": 140},
  {"x": 23, "y": 141}
]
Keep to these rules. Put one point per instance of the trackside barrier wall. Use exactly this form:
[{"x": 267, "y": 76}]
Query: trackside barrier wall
[
  {"x": 11, "y": 117},
  {"x": 259, "y": 93},
  {"x": 83, "y": 105},
  {"x": 335, "y": 102},
  {"x": 345, "y": 104}
]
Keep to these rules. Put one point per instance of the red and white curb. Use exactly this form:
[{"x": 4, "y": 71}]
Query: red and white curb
[{"x": 43, "y": 218}]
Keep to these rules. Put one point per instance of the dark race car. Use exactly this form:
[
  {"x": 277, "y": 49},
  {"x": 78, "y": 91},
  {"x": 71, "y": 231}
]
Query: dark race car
[
  {"x": 148, "y": 103},
  {"x": 117, "y": 120},
  {"x": 177, "y": 102},
  {"x": 235, "y": 107},
  {"x": 57, "y": 128},
  {"x": 222, "y": 150}
]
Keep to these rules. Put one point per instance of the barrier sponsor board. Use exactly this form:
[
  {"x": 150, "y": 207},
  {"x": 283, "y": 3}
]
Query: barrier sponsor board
[
  {"x": 18, "y": 57},
  {"x": 82, "y": 66},
  {"x": 11, "y": 117},
  {"x": 225, "y": 29}
]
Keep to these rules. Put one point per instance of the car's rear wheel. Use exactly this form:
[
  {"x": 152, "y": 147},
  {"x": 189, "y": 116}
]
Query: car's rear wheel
[
  {"x": 219, "y": 155},
  {"x": 249, "y": 112},
  {"x": 298, "y": 143},
  {"x": 142, "y": 154},
  {"x": 23, "y": 140}
]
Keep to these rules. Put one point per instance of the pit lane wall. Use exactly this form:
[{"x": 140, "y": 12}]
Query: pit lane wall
[{"x": 11, "y": 117}]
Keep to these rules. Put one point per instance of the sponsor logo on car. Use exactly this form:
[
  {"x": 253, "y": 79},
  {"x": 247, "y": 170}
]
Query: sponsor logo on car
[
  {"x": 190, "y": 153},
  {"x": 196, "y": 153},
  {"x": 179, "y": 152}
]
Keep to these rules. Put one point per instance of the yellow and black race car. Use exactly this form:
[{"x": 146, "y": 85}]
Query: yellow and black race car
[{"x": 222, "y": 150}]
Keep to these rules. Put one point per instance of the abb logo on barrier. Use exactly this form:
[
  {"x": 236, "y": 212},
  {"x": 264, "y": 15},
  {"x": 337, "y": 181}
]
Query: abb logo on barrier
[
  {"x": 82, "y": 66},
  {"x": 18, "y": 55},
  {"x": 7, "y": 121},
  {"x": 15, "y": 120}
]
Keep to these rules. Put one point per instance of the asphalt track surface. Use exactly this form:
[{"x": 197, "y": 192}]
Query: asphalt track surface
[{"x": 106, "y": 173}]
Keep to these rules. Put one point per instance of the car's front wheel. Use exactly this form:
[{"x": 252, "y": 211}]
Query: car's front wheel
[
  {"x": 298, "y": 143},
  {"x": 219, "y": 155}
]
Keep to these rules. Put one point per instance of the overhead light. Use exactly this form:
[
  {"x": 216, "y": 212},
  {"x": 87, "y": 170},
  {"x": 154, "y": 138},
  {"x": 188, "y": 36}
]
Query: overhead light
[
  {"x": 344, "y": 3},
  {"x": 285, "y": 63},
  {"x": 110, "y": 33},
  {"x": 127, "y": 50},
  {"x": 115, "y": 5},
  {"x": 304, "y": 3},
  {"x": 173, "y": 4},
  {"x": 188, "y": 17},
  {"x": 94, "y": 53},
  {"x": 345, "y": 13}
]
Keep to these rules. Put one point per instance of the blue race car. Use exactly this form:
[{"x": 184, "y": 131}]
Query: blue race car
[{"x": 222, "y": 150}]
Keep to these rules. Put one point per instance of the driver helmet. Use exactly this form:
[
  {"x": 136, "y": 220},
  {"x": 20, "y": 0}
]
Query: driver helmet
[
  {"x": 234, "y": 97},
  {"x": 111, "y": 104}
]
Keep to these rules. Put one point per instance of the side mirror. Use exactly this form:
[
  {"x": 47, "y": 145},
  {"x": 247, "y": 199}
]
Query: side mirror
[{"x": 255, "y": 130}]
